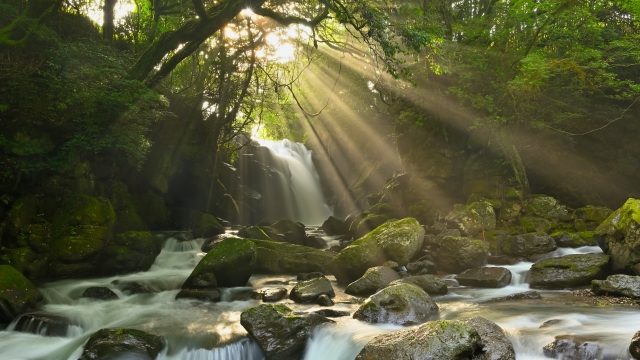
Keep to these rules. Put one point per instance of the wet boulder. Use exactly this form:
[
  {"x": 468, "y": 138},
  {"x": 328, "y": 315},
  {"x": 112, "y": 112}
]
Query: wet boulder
[
  {"x": 122, "y": 344},
  {"x": 374, "y": 279},
  {"x": 211, "y": 242},
  {"x": 334, "y": 226},
  {"x": 572, "y": 239},
  {"x": 441, "y": 339},
  {"x": 620, "y": 237},
  {"x": 455, "y": 254},
  {"x": 573, "y": 348},
  {"x": 399, "y": 241},
  {"x": 431, "y": 284},
  {"x": 280, "y": 333},
  {"x": 618, "y": 285},
  {"x": 589, "y": 217},
  {"x": 308, "y": 291},
  {"x": 474, "y": 218},
  {"x": 273, "y": 294},
  {"x": 368, "y": 223},
  {"x": 283, "y": 258},
  {"x": 568, "y": 271},
  {"x": 485, "y": 277},
  {"x": 325, "y": 300},
  {"x": 230, "y": 263},
  {"x": 634, "y": 347},
  {"x": 402, "y": 304},
  {"x": 210, "y": 295},
  {"x": 99, "y": 293},
  {"x": 421, "y": 267},
  {"x": 494, "y": 342},
  {"x": 528, "y": 244},
  {"x": 17, "y": 294},
  {"x": 203, "y": 224}
]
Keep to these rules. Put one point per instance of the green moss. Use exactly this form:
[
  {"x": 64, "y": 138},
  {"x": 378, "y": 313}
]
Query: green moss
[
  {"x": 80, "y": 243},
  {"x": 281, "y": 258},
  {"x": 535, "y": 224},
  {"x": 204, "y": 224},
  {"x": 137, "y": 240},
  {"x": 620, "y": 219},
  {"x": 16, "y": 290},
  {"x": 84, "y": 210}
]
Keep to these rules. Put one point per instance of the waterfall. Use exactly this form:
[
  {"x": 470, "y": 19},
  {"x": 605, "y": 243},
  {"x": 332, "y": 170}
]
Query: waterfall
[{"x": 293, "y": 190}]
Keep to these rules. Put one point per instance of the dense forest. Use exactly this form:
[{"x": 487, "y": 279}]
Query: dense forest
[{"x": 177, "y": 166}]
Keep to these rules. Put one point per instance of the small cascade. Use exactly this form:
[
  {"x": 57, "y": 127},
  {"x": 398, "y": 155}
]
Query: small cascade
[
  {"x": 244, "y": 349},
  {"x": 284, "y": 175}
]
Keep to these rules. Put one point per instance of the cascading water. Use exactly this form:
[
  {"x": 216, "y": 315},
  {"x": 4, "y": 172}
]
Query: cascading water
[{"x": 292, "y": 190}]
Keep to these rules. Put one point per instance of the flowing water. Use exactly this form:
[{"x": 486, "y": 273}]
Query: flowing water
[{"x": 297, "y": 181}]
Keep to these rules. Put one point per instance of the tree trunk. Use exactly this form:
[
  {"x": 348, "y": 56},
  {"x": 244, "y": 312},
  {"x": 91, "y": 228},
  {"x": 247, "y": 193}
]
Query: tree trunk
[{"x": 108, "y": 19}]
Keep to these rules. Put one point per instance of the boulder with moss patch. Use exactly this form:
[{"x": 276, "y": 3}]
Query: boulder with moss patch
[
  {"x": 431, "y": 284},
  {"x": 308, "y": 291},
  {"x": 230, "y": 263},
  {"x": 568, "y": 271},
  {"x": 589, "y": 217},
  {"x": 528, "y": 244},
  {"x": 473, "y": 218},
  {"x": 17, "y": 294},
  {"x": 546, "y": 207},
  {"x": 620, "y": 237},
  {"x": 122, "y": 344},
  {"x": 619, "y": 285},
  {"x": 454, "y": 254},
  {"x": 566, "y": 238},
  {"x": 283, "y": 258},
  {"x": 374, "y": 279},
  {"x": 130, "y": 251},
  {"x": 399, "y": 241}
]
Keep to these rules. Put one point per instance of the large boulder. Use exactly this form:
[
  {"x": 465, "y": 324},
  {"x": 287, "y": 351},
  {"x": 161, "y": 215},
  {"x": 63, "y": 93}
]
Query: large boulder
[
  {"x": 473, "y": 218},
  {"x": 334, "y": 226},
  {"x": 431, "y": 284},
  {"x": 589, "y": 217},
  {"x": 495, "y": 344},
  {"x": 442, "y": 340},
  {"x": 230, "y": 263},
  {"x": 402, "y": 304},
  {"x": 568, "y": 271},
  {"x": 454, "y": 254},
  {"x": 283, "y": 258},
  {"x": 573, "y": 239},
  {"x": 571, "y": 347},
  {"x": 42, "y": 324},
  {"x": 485, "y": 277},
  {"x": 528, "y": 244},
  {"x": 620, "y": 234},
  {"x": 399, "y": 241},
  {"x": 122, "y": 344},
  {"x": 308, "y": 291},
  {"x": 130, "y": 251},
  {"x": 280, "y": 334},
  {"x": 17, "y": 294},
  {"x": 546, "y": 207},
  {"x": 620, "y": 285},
  {"x": 203, "y": 224},
  {"x": 374, "y": 279}
]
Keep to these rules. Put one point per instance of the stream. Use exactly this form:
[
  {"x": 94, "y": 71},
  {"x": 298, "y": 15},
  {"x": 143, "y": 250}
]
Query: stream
[{"x": 198, "y": 330}]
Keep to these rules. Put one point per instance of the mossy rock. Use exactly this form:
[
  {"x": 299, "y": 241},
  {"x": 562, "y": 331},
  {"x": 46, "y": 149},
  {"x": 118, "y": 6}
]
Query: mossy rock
[
  {"x": 546, "y": 207},
  {"x": 131, "y": 251},
  {"x": 399, "y": 241},
  {"x": 25, "y": 260},
  {"x": 23, "y": 213},
  {"x": 454, "y": 254},
  {"x": 283, "y": 258},
  {"x": 402, "y": 304},
  {"x": 473, "y": 218},
  {"x": 529, "y": 224},
  {"x": 443, "y": 340},
  {"x": 593, "y": 214},
  {"x": 255, "y": 232},
  {"x": 152, "y": 210},
  {"x": 230, "y": 263},
  {"x": 374, "y": 279},
  {"x": 370, "y": 222},
  {"x": 127, "y": 217},
  {"x": 80, "y": 243},
  {"x": 205, "y": 225},
  {"x": 431, "y": 284},
  {"x": 83, "y": 210},
  {"x": 122, "y": 343},
  {"x": 571, "y": 239},
  {"x": 17, "y": 294},
  {"x": 568, "y": 271},
  {"x": 620, "y": 237},
  {"x": 527, "y": 245}
]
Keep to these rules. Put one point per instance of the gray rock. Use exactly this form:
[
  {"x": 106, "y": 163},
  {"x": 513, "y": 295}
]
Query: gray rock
[
  {"x": 99, "y": 292},
  {"x": 634, "y": 347},
  {"x": 421, "y": 267},
  {"x": 495, "y": 344},
  {"x": 442, "y": 340},
  {"x": 473, "y": 218},
  {"x": 273, "y": 294},
  {"x": 568, "y": 347},
  {"x": 334, "y": 226},
  {"x": 42, "y": 324},
  {"x": 308, "y": 291},
  {"x": 528, "y": 244},
  {"x": 280, "y": 334},
  {"x": 374, "y": 279},
  {"x": 431, "y": 284},
  {"x": 486, "y": 277},
  {"x": 622, "y": 285},
  {"x": 212, "y": 295},
  {"x": 331, "y": 313},
  {"x": 526, "y": 295},
  {"x": 546, "y": 207},
  {"x": 568, "y": 271},
  {"x": 456, "y": 254},
  {"x": 401, "y": 304},
  {"x": 324, "y": 300}
]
